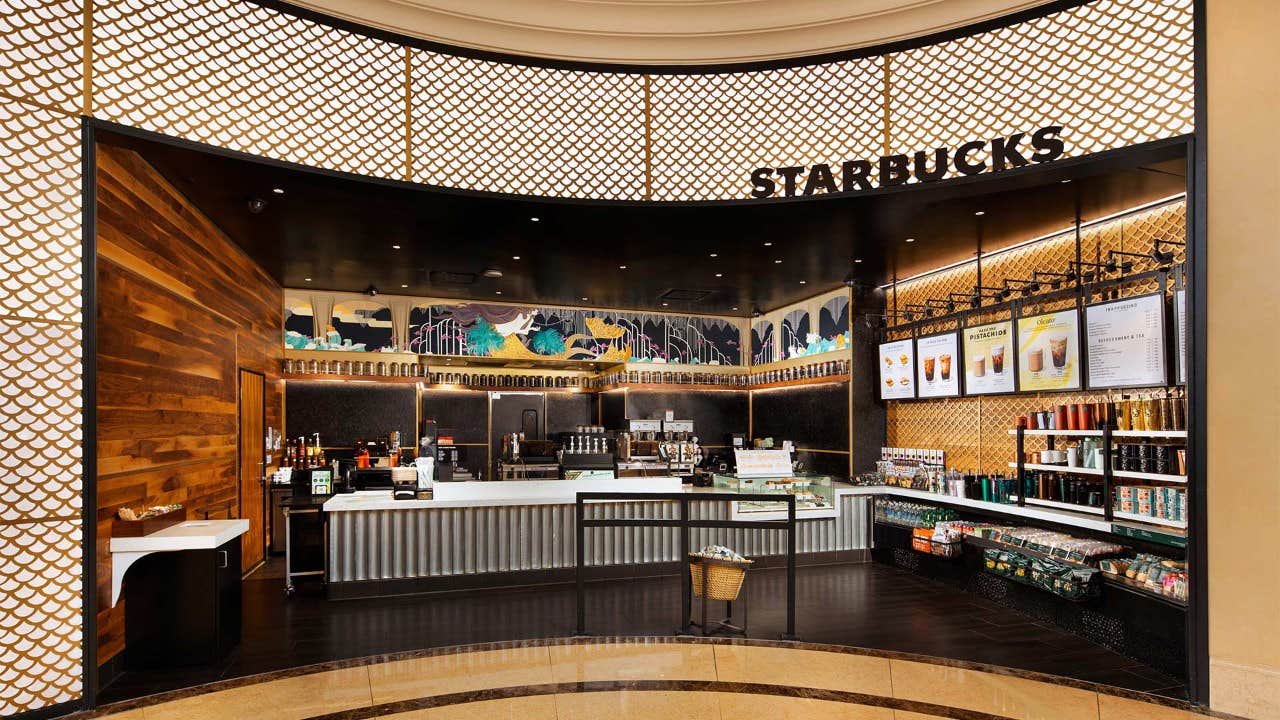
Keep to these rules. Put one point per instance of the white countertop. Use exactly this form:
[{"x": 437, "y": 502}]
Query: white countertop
[
  {"x": 189, "y": 535},
  {"x": 499, "y": 493}
]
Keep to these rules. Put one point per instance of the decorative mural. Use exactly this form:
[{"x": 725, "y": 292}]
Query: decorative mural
[
  {"x": 510, "y": 331},
  {"x": 354, "y": 326},
  {"x": 763, "y": 348}
]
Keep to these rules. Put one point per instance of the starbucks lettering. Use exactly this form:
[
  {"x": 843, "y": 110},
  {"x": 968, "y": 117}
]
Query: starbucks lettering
[{"x": 970, "y": 158}]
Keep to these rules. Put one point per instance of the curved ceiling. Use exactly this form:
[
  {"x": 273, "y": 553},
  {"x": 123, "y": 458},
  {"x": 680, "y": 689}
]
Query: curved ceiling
[{"x": 666, "y": 32}]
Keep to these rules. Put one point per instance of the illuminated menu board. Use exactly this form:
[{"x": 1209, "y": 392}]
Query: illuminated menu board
[
  {"x": 1125, "y": 342},
  {"x": 938, "y": 365},
  {"x": 988, "y": 359},
  {"x": 1049, "y": 351},
  {"x": 897, "y": 370}
]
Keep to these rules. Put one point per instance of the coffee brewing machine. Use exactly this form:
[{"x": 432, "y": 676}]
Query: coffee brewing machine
[{"x": 587, "y": 452}]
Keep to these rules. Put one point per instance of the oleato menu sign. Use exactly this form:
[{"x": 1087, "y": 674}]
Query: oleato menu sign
[
  {"x": 938, "y": 365},
  {"x": 897, "y": 370},
  {"x": 1049, "y": 351},
  {"x": 988, "y": 366},
  {"x": 1125, "y": 342}
]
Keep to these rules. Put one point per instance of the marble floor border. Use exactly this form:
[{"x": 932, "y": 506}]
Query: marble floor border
[
  {"x": 377, "y": 659},
  {"x": 715, "y": 686}
]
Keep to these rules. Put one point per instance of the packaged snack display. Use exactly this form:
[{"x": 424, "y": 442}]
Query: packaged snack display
[
  {"x": 1065, "y": 581},
  {"x": 1157, "y": 574}
]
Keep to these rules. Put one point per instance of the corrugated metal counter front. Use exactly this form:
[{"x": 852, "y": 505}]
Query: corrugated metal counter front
[{"x": 425, "y": 542}]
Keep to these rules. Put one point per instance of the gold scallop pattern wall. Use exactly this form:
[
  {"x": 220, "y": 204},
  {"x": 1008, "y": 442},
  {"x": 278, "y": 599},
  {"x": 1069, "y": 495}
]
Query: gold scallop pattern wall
[
  {"x": 41, "y": 419},
  {"x": 40, "y": 607},
  {"x": 516, "y": 129},
  {"x": 1112, "y": 73},
  {"x": 40, "y": 433},
  {"x": 708, "y": 132},
  {"x": 41, "y": 52},
  {"x": 39, "y": 213},
  {"x": 949, "y": 424},
  {"x": 240, "y": 76}
]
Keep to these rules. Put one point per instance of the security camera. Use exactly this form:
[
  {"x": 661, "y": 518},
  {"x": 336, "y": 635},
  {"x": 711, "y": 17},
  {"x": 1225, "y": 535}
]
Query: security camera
[{"x": 257, "y": 205}]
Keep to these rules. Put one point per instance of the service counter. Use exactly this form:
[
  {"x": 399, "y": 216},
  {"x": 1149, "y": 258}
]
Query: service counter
[{"x": 476, "y": 534}]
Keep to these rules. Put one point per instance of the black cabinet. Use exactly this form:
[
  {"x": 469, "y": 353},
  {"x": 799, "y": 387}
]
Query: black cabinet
[{"x": 183, "y": 607}]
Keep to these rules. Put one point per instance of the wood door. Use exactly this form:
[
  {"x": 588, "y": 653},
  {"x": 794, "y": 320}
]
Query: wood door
[{"x": 252, "y": 497}]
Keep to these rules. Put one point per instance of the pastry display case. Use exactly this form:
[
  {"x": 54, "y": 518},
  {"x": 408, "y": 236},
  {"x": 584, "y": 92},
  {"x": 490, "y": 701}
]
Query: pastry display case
[{"x": 815, "y": 495}]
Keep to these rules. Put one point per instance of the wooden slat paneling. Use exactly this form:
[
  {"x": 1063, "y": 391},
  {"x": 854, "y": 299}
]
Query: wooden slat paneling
[{"x": 180, "y": 310}]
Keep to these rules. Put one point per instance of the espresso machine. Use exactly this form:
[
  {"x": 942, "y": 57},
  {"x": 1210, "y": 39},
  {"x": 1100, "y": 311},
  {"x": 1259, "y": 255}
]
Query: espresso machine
[
  {"x": 638, "y": 449},
  {"x": 524, "y": 459},
  {"x": 679, "y": 448}
]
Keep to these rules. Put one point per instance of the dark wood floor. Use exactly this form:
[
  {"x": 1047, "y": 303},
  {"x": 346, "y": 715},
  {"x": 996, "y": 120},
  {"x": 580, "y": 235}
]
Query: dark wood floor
[{"x": 868, "y": 605}]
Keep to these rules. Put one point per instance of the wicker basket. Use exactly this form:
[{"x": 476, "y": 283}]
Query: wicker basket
[{"x": 723, "y": 577}]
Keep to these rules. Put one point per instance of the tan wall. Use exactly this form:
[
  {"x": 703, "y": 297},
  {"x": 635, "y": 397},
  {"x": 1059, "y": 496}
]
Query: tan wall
[{"x": 1243, "y": 402}]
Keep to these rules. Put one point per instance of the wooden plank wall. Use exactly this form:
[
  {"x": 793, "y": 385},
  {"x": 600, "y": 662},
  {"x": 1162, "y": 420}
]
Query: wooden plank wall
[{"x": 180, "y": 309}]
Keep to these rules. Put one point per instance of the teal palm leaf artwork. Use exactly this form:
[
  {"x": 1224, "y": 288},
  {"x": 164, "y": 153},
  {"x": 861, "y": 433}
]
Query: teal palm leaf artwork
[
  {"x": 547, "y": 341},
  {"x": 483, "y": 339}
]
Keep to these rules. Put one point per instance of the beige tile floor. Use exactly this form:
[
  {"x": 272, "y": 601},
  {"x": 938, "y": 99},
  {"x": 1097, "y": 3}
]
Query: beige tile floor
[{"x": 328, "y": 692}]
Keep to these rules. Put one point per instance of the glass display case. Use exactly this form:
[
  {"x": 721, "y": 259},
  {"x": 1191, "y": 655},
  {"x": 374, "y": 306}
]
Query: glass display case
[{"x": 815, "y": 495}]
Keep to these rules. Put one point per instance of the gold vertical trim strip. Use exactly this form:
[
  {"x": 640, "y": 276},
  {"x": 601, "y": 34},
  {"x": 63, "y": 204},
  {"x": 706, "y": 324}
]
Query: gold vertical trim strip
[
  {"x": 86, "y": 90},
  {"x": 850, "y": 383},
  {"x": 408, "y": 114},
  {"x": 887, "y": 122},
  {"x": 648, "y": 140}
]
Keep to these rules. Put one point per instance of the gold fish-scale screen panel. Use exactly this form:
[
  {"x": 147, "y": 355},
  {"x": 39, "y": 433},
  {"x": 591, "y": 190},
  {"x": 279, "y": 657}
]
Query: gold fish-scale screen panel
[
  {"x": 41, "y": 51},
  {"x": 710, "y": 131},
  {"x": 1111, "y": 73},
  {"x": 524, "y": 130},
  {"x": 40, "y": 607},
  {"x": 239, "y": 76},
  {"x": 40, "y": 260},
  {"x": 40, "y": 427}
]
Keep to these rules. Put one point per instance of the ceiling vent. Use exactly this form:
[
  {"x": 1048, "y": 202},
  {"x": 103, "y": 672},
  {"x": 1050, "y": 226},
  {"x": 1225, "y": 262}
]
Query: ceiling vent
[
  {"x": 685, "y": 296},
  {"x": 444, "y": 277}
]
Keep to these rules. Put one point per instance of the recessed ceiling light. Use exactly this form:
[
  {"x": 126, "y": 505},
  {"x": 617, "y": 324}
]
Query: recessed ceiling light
[
  {"x": 857, "y": 260},
  {"x": 777, "y": 262},
  {"x": 404, "y": 286},
  {"x": 584, "y": 299},
  {"x": 735, "y": 308},
  {"x": 911, "y": 240},
  {"x": 278, "y": 191},
  {"x": 715, "y": 255},
  {"x": 306, "y": 279},
  {"x": 980, "y": 213},
  {"x": 534, "y": 219},
  {"x": 497, "y": 292},
  {"x": 395, "y": 247},
  {"x": 719, "y": 274},
  {"x": 515, "y": 257},
  {"x": 802, "y": 282},
  {"x": 768, "y": 244},
  {"x": 622, "y": 267},
  {"x": 665, "y": 304},
  {"x": 1064, "y": 182}
]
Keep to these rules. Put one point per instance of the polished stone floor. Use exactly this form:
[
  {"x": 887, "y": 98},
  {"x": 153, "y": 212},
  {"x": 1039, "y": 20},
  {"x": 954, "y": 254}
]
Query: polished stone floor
[
  {"x": 864, "y": 605},
  {"x": 646, "y": 678}
]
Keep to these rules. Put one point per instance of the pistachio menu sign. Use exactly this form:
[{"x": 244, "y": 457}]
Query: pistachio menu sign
[
  {"x": 988, "y": 359},
  {"x": 1125, "y": 342},
  {"x": 971, "y": 158}
]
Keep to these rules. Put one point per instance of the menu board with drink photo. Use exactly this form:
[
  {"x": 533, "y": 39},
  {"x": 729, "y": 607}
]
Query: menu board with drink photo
[
  {"x": 985, "y": 369},
  {"x": 1126, "y": 342},
  {"x": 1049, "y": 351},
  {"x": 897, "y": 370},
  {"x": 937, "y": 365}
]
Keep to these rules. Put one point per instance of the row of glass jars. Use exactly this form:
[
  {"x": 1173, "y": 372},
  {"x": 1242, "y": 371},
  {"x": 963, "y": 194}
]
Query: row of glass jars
[
  {"x": 800, "y": 372},
  {"x": 374, "y": 368}
]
